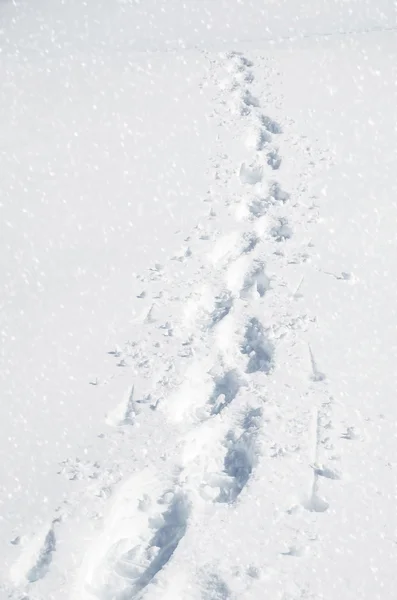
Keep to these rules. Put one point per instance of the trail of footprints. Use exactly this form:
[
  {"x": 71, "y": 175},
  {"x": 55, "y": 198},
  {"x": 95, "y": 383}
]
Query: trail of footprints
[
  {"x": 130, "y": 566},
  {"x": 132, "y": 561},
  {"x": 144, "y": 529}
]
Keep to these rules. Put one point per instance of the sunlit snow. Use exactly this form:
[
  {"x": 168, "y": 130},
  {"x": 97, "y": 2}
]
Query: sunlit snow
[{"x": 198, "y": 261}]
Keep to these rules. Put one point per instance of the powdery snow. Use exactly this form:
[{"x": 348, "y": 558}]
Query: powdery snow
[{"x": 198, "y": 304}]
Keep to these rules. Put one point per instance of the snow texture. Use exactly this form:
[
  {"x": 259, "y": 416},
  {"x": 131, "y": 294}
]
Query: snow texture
[{"x": 198, "y": 323}]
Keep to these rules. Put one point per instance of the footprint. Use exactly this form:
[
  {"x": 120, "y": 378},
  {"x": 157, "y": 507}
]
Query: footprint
[
  {"x": 258, "y": 207},
  {"x": 140, "y": 537},
  {"x": 257, "y": 347},
  {"x": 226, "y": 388},
  {"x": 246, "y": 278},
  {"x": 244, "y": 61},
  {"x": 274, "y": 159},
  {"x": 256, "y": 280},
  {"x": 276, "y": 193},
  {"x": 236, "y": 449},
  {"x": 282, "y": 231},
  {"x": 251, "y": 174},
  {"x": 240, "y": 458},
  {"x": 249, "y": 100},
  {"x": 271, "y": 125},
  {"x": 249, "y": 241},
  {"x": 238, "y": 61},
  {"x": 223, "y": 305},
  {"x": 169, "y": 528},
  {"x": 248, "y": 76}
]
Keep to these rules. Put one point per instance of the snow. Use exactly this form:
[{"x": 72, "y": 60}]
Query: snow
[{"x": 198, "y": 318}]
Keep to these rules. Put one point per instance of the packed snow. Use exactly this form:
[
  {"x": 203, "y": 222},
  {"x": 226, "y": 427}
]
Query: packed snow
[{"x": 198, "y": 237}]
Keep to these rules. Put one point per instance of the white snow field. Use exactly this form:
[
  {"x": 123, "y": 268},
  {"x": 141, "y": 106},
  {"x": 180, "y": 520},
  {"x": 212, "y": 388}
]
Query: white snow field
[{"x": 198, "y": 261}]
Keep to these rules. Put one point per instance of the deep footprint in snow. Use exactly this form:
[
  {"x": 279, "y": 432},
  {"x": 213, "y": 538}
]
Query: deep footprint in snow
[
  {"x": 240, "y": 452},
  {"x": 270, "y": 125},
  {"x": 238, "y": 467},
  {"x": 260, "y": 205},
  {"x": 282, "y": 231},
  {"x": 139, "y": 539},
  {"x": 277, "y": 194},
  {"x": 226, "y": 388},
  {"x": 139, "y": 566},
  {"x": 255, "y": 280},
  {"x": 249, "y": 100},
  {"x": 274, "y": 159},
  {"x": 248, "y": 76},
  {"x": 249, "y": 241},
  {"x": 240, "y": 457},
  {"x": 223, "y": 305},
  {"x": 257, "y": 347}
]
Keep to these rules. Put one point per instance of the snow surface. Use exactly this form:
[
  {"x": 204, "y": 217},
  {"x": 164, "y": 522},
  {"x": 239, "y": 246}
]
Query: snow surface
[{"x": 199, "y": 325}]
